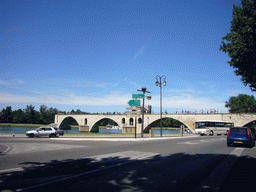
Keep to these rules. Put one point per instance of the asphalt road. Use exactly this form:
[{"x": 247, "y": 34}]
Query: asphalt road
[{"x": 168, "y": 164}]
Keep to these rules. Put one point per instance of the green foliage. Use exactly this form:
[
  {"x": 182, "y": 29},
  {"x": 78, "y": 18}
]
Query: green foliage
[
  {"x": 29, "y": 115},
  {"x": 18, "y": 116},
  {"x": 167, "y": 122},
  {"x": 47, "y": 115},
  {"x": 6, "y": 115},
  {"x": 241, "y": 104},
  {"x": 241, "y": 42}
]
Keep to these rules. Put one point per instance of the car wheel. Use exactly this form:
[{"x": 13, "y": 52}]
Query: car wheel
[
  {"x": 52, "y": 135},
  {"x": 31, "y": 135},
  {"x": 228, "y": 144}
]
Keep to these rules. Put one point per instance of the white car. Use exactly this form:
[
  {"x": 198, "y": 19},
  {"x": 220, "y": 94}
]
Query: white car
[{"x": 45, "y": 132}]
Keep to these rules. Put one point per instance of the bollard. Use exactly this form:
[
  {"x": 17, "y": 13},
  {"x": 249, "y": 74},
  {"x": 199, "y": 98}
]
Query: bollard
[
  {"x": 151, "y": 133},
  {"x": 181, "y": 129}
]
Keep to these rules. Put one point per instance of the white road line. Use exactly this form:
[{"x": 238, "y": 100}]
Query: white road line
[
  {"x": 214, "y": 181},
  {"x": 17, "y": 148},
  {"x": 198, "y": 142},
  {"x": 237, "y": 151}
]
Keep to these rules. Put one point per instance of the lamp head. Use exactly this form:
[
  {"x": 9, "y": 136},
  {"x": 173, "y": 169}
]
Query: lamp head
[{"x": 143, "y": 89}]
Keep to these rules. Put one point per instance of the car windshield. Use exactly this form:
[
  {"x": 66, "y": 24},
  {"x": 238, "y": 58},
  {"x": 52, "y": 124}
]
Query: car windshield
[{"x": 238, "y": 130}]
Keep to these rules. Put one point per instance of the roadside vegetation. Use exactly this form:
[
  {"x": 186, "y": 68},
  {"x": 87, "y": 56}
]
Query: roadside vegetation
[{"x": 240, "y": 42}]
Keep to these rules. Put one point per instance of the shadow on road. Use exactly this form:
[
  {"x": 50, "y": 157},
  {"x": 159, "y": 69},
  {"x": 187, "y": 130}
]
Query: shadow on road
[{"x": 177, "y": 172}]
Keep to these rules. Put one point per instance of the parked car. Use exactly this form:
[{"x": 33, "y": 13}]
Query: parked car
[
  {"x": 45, "y": 132},
  {"x": 240, "y": 136}
]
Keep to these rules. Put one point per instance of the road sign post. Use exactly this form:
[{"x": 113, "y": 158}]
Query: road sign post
[
  {"x": 135, "y": 110},
  {"x": 135, "y": 126}
]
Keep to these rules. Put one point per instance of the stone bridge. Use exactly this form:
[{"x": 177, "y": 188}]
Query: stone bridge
[{"x": 89, "y": 122}]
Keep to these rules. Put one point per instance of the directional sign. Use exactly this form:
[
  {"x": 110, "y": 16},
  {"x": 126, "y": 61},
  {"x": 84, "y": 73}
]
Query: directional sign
[
  {"x": 134, "y": 102},
  {"x": 138, "y": 96},
  {"x": 134, "y": 108},
  {"x": 132, "y": 115},
  {"x": 135, "y": 112}
]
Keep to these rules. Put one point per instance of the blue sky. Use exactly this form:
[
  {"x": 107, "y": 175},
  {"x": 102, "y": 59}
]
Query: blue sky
[{"x": 93, "y": 55}]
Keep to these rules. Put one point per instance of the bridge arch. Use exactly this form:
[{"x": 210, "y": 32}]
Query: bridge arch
[
  {"x": 95, "y": 128},
  {"x": 63, "y": 120},
  {"x": 250, "y": 124},
  {"x": 148, "y": 127}
]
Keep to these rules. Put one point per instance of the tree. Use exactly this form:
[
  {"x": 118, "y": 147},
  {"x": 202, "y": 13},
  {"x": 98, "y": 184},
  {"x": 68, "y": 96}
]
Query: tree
[
  {"x": 241, "y": 46},
  {"x": 78, "y": 111},
  {"x": 43, "y": 113},
  {"x": 30, "y": 114},
  {"x": 18, "y": 116},
  {"x": 6, "y": 115},
  {"x": 241, "y": 104},
  {"x": 51, "y": 114}
]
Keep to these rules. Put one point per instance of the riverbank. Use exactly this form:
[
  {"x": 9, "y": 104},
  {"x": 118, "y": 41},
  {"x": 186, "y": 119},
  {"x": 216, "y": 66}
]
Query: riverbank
[{"x": 101, "y": 135}]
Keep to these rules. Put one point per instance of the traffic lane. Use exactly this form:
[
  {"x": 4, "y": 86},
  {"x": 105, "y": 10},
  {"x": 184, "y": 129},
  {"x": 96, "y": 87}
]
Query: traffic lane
[
  {"x": 171, "y": 147},
  {"x": 20, "y": 179},
  {"x": 242, "y": 176},
  {"x": 176, "y": 172},
  {"x": 84, "y": 149}
]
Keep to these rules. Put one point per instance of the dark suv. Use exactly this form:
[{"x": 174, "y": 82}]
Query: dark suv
[{"x": 241, "y": 136}]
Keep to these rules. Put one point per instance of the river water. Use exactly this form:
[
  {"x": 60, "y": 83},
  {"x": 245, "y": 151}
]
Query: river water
[{"x": 14, "y": 129}]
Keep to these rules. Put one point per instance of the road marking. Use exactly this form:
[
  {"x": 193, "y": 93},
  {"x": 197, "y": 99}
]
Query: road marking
[
  {"x": 17, "y": 148},
  {"x": 214, "y": 181},
  {"x": 131, "y": 155},
  {"x": 198, "y": 142},
  {"x": 237, "y": 151}
]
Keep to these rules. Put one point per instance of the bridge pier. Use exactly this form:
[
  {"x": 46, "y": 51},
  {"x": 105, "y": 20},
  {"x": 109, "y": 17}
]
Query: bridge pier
[
  {"x": 128, "y": 130},
  {"x": 84, "y": 128}
]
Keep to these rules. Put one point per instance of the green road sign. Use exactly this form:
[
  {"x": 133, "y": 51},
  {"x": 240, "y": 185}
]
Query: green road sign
[
  {"x": 138, "y": 96},
  {"x": 134, "y": 102}
]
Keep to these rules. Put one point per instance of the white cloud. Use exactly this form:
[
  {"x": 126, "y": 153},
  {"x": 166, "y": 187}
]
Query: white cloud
[
  {"x": 112, "y": 99},
  {"x": 188, "y": 102},
  {"x": 11, "y": 82},
  {"x": 139, "y": 52}
]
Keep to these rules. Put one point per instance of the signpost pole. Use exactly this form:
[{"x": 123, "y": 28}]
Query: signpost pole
[
  {"x": 135, "y": 126},
  {"x": 135, "y": 109},
  {"x": 144, "y": 90}
]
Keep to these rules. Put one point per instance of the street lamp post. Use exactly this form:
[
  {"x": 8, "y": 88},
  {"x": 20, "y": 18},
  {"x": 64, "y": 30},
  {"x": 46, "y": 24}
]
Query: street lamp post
[
  {"x": 160, "y": 85},
  {"x": 144, "y": 90}
]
